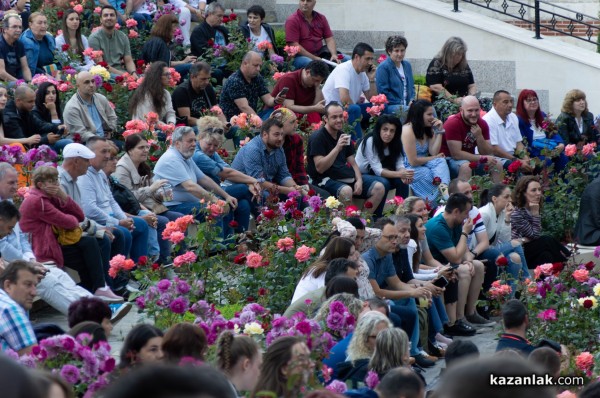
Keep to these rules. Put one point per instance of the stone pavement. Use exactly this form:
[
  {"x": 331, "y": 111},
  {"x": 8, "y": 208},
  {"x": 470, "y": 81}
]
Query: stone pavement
[{"x": 485, "y": 341}]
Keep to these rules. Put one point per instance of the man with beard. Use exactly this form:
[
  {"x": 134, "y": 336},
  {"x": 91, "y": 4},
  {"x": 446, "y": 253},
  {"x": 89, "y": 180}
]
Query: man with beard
[
  {"x": 466, "y": 131},
  {"x": 264, "y": 159},
  {"x": 192, "y": 189}
]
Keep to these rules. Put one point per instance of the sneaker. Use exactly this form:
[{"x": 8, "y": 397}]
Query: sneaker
[
  {"x": 119, "y": 311},
  {"x": 459, "y": 329},
  {"x": 436, "y": 349},
  {"x": 108, "y": 296},
  {"x": 424, "y": 361},
  {"x": 133, "y": 287},
  {"x": 478, "y": 321}
]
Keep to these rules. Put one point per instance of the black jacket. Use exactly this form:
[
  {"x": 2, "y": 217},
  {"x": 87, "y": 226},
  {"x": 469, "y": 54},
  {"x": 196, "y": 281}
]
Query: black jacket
[
  {"x": 202, "y": 34},
  {"x": 587, "y": 229},
  {"x": 19, "y": 124},
  {"x": 246, "y": 32},
  {"x": 156, "y": 49}
]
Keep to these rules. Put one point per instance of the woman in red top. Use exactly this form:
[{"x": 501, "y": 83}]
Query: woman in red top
[{"x": 48, "y": 206}]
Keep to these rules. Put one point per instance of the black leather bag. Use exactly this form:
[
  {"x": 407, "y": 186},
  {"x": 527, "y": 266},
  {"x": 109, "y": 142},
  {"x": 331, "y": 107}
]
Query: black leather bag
[{"x": 124, "y": 197}]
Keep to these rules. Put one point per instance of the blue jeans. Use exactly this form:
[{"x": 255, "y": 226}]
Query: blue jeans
[
  {"x": 183, "y": 70},
  {"x": 358, "y": 112},
  {"x": 134, "y": 243},
  {"x": 491, "y": 269},
  {"x": 242, "y": 213},
  {"x": 153, "y": 247},
  {"x": 393, "y": 183},
  {"x": 437, "y": 317},
  {"x": 519, "y": 272},
  {"x": 407, "y": 310},
  {"x": 398, "y": 110},
  {"x": 195, "y": 209},
  {"x": 59, "y": 145}
]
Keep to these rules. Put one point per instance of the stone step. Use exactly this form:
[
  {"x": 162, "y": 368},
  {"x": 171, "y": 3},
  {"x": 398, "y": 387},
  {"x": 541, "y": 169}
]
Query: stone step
[
  {"x": 268, "y": 5},
  {"x": 270, "y": 15}
]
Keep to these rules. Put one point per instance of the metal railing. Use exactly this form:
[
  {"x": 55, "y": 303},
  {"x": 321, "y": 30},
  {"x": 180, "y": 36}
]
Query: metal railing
[{"x": 546, "y": 15}]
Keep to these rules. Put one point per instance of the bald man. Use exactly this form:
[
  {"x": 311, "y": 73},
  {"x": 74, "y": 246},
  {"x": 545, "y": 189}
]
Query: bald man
[
  {"x": 245, "y": 87},
  {"x": 465, "y": 132},
  {"x": 88, "y": 113}
]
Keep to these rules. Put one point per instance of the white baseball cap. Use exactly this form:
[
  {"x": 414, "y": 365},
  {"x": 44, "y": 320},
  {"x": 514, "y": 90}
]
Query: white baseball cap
[{"x": 76, "y": 150}]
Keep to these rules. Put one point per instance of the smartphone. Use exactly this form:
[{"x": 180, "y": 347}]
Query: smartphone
[
  {"x": 283, "y": 92},
  {"x": 441, "y": 282},
  {"x": 371, "y": 68},
  {"x": 454, "y": 266}
]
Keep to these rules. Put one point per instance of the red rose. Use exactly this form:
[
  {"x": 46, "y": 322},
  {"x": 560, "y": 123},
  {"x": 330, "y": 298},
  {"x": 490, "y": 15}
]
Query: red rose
[
  {"x": 340, "y": 56},
  {"x": 139, "y": 63},
  {"x": 589, "y": 265},
  {"x": 155, "y": 266},
  {"x": 311, "y": 192},
  {"x": 232, "y": 17},
  {"x": 143, "y": 260},
  {"x": 240, "y": 259},
  {"x": 59, "y": 15},
  {"x": 588, "y": 304},
  {"x": 123, "y": 6},
  {"x": 486, "y": 168},
  {"x": 139, "y": 71},
  {"x": 502, "y": 261},
  {"x": 265, "y": 263},
  {"x": 225, "y": 19},
  {"x": 436, "y": 181},
  {"x": 65, "y": 47},
  {"x": 107, "y": 87},
  {"x": 153, "y": 159},
  {"x": 557, "y": 267},
  {"x": 483, "y": 159},
  {"x": 233, "y": 224},
  {"x": 262, "y": 291},
  {"x": 250, "y": 299},
  {"x": 210, "y": 42},
  {"x": 77, "y": 138},
  {"x": 473, "y": 165},
  {"x": 103, "y": 64},
  {"x": 514, "y": 166},
  {"x": 270, "y": 214},
  {"x": 119, "y": 79},
  {"x": 506, "y": 181},
  {"x": 368, "y": 205},
  {"x": 297, "y": 214},
  {"x": 474, "y": 187}
]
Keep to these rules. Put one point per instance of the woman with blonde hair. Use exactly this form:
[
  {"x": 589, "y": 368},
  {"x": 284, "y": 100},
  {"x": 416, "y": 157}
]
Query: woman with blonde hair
[
  {"x": 575, "y": 122},
  {"x": 449, "y": 74},
  {"x": 391, "y": 351},
  {"x": 414, "y": 205},
  {"x": 239, "y": 357},
  {"x": 244, "y": 188}
]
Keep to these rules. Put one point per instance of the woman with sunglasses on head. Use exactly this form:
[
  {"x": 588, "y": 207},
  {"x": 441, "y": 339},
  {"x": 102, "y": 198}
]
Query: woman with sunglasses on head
[
  {"x": 152, "y": 96},
  {"x": 244, "y": 188}
]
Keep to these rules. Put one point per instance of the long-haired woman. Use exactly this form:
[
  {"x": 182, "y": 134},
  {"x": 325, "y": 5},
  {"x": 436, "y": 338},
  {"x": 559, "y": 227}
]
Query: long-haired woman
[{"x": 152, "y": 96}]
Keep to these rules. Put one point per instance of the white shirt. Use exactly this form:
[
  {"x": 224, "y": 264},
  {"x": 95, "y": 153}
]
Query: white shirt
[
  {"x": 506, "y": 135},
  {"x": 370, "y": 158},
  {"x": 345, "y": 76},
  {"x": 308, "y": 284},
  {"x": 403, "y": 77}
]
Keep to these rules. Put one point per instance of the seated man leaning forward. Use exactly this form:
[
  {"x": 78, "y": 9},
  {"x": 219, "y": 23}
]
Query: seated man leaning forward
[
  {"x": 466, "y": 131},
  {"x": 17, "y": 291},
  {"x": 192, "y": 189},
  {"x": 264, "y": 159},
  {"x": 331, "y": 164},
  {"x": 88, "y": 113}
]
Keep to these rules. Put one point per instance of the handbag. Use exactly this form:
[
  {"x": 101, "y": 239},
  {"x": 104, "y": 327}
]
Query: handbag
[
  {"x": 124, "y": 197},
  {"x": 544, "y": 143},
  {"x": 67, "y": 237}
]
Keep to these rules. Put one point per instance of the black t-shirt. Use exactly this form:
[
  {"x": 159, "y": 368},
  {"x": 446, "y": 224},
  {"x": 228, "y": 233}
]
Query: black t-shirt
[
  {"x": 402, "y": 265},
  {"x": 321, "y": 143},
  {"x": 456, "y": 82},
  {"x": 12, "y": 57},
  {"x": 185, "y": 96}
]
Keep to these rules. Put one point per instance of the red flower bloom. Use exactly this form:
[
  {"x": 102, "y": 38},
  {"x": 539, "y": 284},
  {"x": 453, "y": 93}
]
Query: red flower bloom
[
  {"x": 119, "y": 79},
  {"x": 155, "y": 266},
  {"x": 514, "y": 166},
  {"x": 297, "y": 214},
  {"x": 225, "y": 19},
  {"x": 139, "y": 71},
  {"x": 65, "y": 47},
  {"x": 233, "y": 224},
  {"x": 436, "y": 181},
  {"x": 557, "y": 267},
  {"x": 250, "y": 299},
  {"x": 265, "y": 263},
  {"x": 270, "y": 214},
  {"x": 262, "y": 291},
  {"x": 103, "y": 64},
  {"x": 107, "y": 87},
  {"x": 502, "y": 261},
  {"x": 123, "y": 6},
  {"x": 311, "y": 192},
  {"x": 368, "y": 205},
  {"x": 240, "y": 259},
  {"x": 210, "y": 42},
  {"x": 232, "y": 17},
  {"x": 77, "y": 138},
  {"x": 153, "y": 159},
  {"x": 483, "y": 159},
  {"x": 486, "y": 168},
  {"x": 473, "y": 165},
  {"x": 143, "y": 260},
  {"x": 340, "y": 56},
  {"x": 59, "y": 15},
  {"x": 474, "y": 187},
  {"x": 589, "y": 265},
  {"x": 139, "y": 63},
  {"x": 588, "y": 304}
]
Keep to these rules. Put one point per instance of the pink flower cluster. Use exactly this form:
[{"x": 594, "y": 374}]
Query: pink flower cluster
[
  {"x": 570, "y": 149},
  {"x": 216, "y": 209},
  {"x": 244, "y": 120},
  {"x": 264, "y": 45},
  {"x": 119, "y": 263},
  {"x": 285, "y": 244},
  {"x": 340, "y": 321},
  {"x": 175, "y": 230},
  {"x": 279, "y": 75},
  {"x": 320, "y": 342},
  {"x": 379, "y": 99},
  {"x": 303, "y": 253},
  {"x": 375, "y": 110},
  {"x": 11, "y": 154},
  {"x": 499, "y": 291},
  {"x": 185, "y": 259},
  {"x": 94, "y": 55},
  {"x": 254, "y": 260},
  {"x": 216, "y": 110},
  {"x": 547, "y": 315},
  {"x": 589, "y": 149},
  {"x": 585, "y": 362},
  {"x": 291, "y": 51},
  {"x": 581, "y": 275}
]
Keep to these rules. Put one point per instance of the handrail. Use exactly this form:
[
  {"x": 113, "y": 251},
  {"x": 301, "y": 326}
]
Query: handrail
[{"x": 552, "y": 17}]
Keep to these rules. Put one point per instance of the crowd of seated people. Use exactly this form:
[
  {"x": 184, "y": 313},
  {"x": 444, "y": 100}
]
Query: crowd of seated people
[{"x": 389, "y": 274}]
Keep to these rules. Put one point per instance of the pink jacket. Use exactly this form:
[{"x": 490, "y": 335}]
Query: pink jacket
[{"x": 39, "y": 212}]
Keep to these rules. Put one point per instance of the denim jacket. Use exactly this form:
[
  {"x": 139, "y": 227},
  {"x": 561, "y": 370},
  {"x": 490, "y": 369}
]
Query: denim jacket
[
  {"x": 390, "y": 83},
  {"x": 32, "y": 48}
]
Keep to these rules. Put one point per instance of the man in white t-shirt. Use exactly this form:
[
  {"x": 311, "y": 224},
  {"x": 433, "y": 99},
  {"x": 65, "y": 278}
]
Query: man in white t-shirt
[
  {"x": 350, "y": 81},
  {"x": 505, "y": 136}
]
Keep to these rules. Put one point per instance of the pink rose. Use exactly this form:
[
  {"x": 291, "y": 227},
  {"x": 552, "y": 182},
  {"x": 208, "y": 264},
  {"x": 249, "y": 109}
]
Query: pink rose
[
  {"x": 78, "y": 8},
  {"x": 585, "y": 362},
  {"x": 133, "y": 34},
  {"x": 253, "y": 260},
  {"x": 547, "y": 269},
  {"x": 285, "y": 244},
  {"x": 131, "y": 23},
  {"x": 176, "y": 237},
  {"x": 570, "y": 149},
  {"x": 581, "y": 275},
  {"x": 303, "y": 253},
  {"x": 186, "y": 258},
  {"x": 588, "y": 149},
  {"x": 216, "y": 110}
]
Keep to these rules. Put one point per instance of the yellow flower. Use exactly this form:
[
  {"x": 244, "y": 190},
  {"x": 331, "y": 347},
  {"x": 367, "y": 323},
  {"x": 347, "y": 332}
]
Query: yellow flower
[
  {"x": 332, "y": 203},
  {"x": 253, "y": 328},
  {"x": 100, "y": 71},
  {"x": 597, "y": 289},
  {"x": 588, "y": 302}
]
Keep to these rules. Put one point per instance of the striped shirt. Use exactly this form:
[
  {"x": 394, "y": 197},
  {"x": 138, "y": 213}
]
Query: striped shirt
[{"x": 15, "y": 329}]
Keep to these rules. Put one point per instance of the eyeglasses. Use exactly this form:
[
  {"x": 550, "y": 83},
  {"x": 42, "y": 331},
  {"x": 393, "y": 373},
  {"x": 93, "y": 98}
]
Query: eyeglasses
[
  {"x": 390, "y": 237},
  {"x": 214, "y": 130},
  {"x": 531, "y": 100},
  {"x": 167, "y": 74}
]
